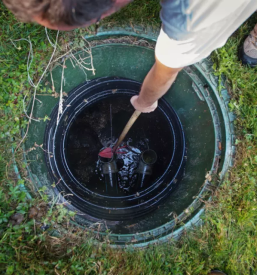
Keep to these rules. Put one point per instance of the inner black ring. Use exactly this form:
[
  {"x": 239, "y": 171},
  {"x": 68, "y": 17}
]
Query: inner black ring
[{"x": 84, "y": 199}]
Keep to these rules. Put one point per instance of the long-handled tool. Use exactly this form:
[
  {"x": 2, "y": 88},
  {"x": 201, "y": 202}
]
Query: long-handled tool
[{"x": 108, "y": 152}]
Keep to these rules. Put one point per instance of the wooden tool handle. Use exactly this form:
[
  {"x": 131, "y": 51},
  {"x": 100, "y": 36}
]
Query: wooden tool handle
[{"x": 130, "y": 123}]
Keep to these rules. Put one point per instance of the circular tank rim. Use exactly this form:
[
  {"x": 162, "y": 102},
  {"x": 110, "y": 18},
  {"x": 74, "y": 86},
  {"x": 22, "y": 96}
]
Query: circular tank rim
[
  {"x": 54, "y": 129},
  {"x": 204, "y": 67}
]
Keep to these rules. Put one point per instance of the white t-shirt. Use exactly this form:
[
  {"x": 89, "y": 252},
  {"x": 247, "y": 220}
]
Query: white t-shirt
[{"x": 192, "y": 29}]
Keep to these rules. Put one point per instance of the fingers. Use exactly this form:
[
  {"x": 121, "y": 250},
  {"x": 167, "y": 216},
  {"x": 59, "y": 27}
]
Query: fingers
[{"x": 144, "y": 109}]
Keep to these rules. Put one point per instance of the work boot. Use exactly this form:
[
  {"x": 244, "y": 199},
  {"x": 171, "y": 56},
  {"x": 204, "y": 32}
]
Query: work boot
[{"x": 249, "y": 50}]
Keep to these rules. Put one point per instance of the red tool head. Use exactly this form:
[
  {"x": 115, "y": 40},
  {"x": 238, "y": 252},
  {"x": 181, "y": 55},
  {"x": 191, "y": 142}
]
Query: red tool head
[{"x": 106, "y": 153}]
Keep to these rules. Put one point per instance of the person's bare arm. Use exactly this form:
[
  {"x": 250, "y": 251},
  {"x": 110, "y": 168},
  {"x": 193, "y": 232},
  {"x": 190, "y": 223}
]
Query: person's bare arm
[{"x": 156, "y": 84}]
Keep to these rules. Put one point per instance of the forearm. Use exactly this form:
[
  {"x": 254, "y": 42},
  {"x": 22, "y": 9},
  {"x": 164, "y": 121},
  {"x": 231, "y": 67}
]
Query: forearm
[{"x": 155, "y": 85}]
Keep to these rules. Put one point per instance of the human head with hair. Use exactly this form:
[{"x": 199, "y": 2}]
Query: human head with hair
[{"x": 63, "y": 14}]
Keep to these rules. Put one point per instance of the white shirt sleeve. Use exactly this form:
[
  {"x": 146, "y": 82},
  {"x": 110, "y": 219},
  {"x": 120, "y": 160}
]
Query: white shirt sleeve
[{"x": 175, "y": 54}]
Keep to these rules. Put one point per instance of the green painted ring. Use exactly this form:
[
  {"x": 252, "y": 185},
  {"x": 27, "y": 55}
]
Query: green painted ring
[{"x": 205, "y": 85}]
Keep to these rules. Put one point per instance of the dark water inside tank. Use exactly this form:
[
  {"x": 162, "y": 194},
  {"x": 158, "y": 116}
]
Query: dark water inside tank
[{"x": 100, "y": 125}]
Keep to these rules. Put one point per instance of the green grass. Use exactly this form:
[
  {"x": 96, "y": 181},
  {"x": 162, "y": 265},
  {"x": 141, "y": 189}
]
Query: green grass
[
  {"x": 138, "y": 12},
  {"x": 226, "y": 241}
]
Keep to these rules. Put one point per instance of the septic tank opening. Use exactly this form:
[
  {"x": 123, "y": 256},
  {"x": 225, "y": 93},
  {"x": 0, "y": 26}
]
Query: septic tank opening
[
  {"x": 202, "y": 109},
  {"x": 147, "y": 167}
]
